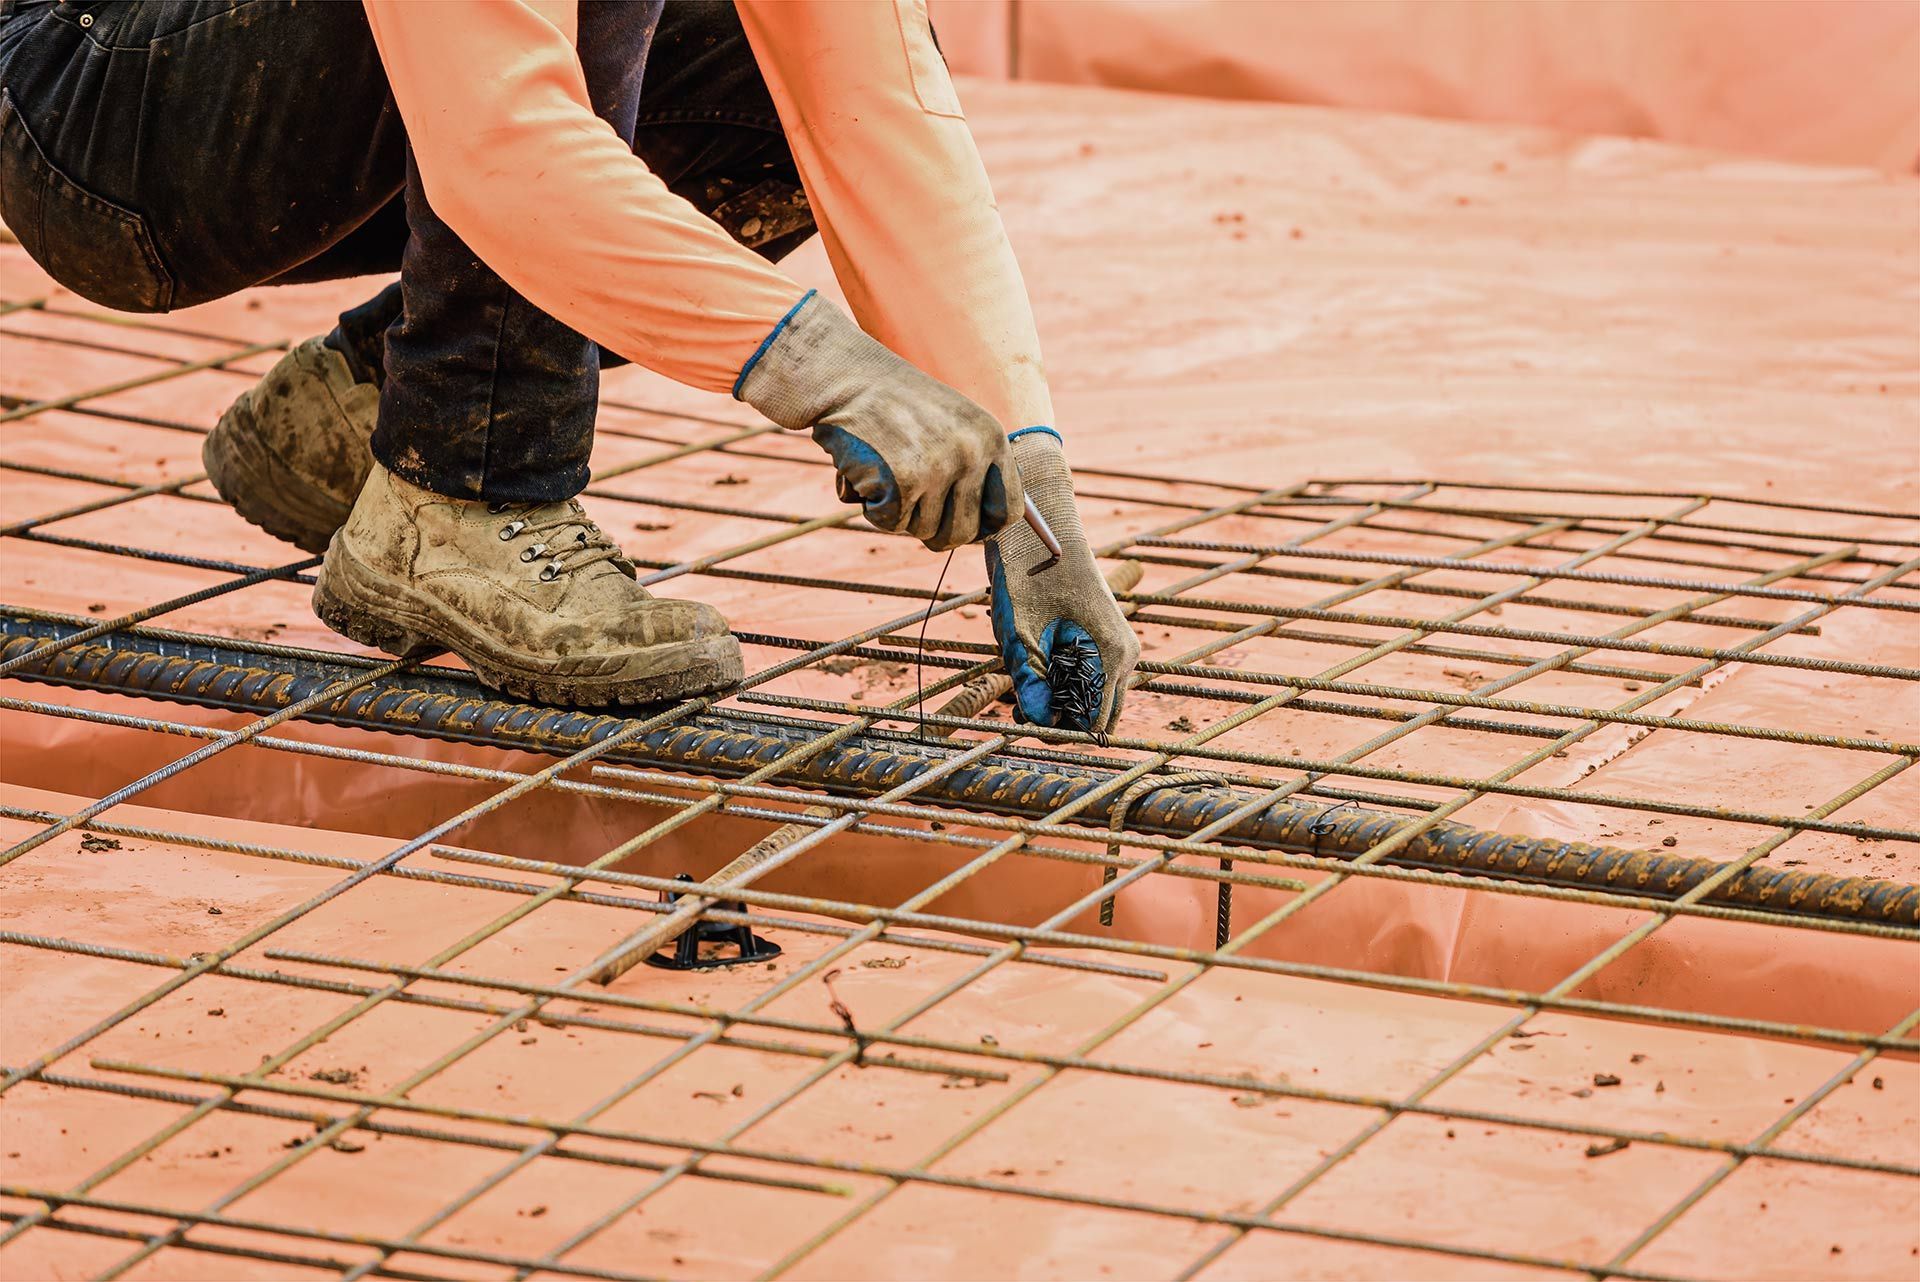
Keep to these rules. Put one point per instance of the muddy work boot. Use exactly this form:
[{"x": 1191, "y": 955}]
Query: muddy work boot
[
  {"x": 291, "y": 453},
  {"x": 534, "y": 597}
]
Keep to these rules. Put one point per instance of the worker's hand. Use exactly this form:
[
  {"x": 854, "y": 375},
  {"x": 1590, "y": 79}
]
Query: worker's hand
[
  {"x": 920, "y": 458},
  {"x": 1066, "y": 612}
]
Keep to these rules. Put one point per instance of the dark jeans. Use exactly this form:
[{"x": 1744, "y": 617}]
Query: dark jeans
[{"x": 163, "y": 154}]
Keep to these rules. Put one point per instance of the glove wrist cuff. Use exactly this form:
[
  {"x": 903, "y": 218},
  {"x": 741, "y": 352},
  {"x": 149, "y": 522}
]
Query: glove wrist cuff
[
  {"x": 810, "y": 364},
  {"x": 1041, "y": 456},
  {"x": 1048, "y": 481}
]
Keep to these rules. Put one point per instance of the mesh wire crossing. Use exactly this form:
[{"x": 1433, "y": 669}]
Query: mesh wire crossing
[{"x": 1418, "y": 650}]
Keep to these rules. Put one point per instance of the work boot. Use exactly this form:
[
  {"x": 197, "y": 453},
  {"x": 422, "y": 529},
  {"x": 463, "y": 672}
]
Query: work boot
[
  {"x": 534, "y": 597},
  {"x": 291, "y": 453}
]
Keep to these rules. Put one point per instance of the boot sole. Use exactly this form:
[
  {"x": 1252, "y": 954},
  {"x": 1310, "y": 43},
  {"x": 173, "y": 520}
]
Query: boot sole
[
  {"x": 263, "y": 489},
  {"x": 376, "y": 610}
]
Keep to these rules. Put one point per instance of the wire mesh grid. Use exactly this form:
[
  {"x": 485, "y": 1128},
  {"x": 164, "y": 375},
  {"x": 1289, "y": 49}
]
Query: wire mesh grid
[{"x": 1358, "y": 644}]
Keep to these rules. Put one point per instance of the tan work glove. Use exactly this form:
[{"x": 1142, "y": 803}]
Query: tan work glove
[
  {"x": 920, "y": 458},
  {"x": 1064, "y": 641}
]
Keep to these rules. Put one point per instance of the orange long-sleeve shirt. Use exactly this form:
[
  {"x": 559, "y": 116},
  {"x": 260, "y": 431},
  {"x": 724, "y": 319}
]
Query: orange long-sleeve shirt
[{"x": 514, "y": 159}]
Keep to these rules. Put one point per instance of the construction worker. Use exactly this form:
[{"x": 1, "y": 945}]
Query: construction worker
[{"x": 551, "y": 210}]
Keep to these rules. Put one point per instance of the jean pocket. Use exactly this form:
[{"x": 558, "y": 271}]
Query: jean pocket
[{"x": 97, "y": 249}]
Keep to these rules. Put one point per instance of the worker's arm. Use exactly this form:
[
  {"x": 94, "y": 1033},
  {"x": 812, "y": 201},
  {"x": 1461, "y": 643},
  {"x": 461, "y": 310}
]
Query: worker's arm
[
  {"x": 900, "y": 195},
  {"x": 910, "y": 224},
  {"x": 513, "y": 158},
  {"x": 515, "y": 161}
]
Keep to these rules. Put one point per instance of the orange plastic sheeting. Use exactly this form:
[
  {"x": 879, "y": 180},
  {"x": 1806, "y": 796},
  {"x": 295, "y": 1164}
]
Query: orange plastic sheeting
[
  {"x": 1394, "y": 928},
  {"x": 1829, "y": 83},
  {"x": 1416, "y": 298},
  {"x": 1505, "y": 1187}
]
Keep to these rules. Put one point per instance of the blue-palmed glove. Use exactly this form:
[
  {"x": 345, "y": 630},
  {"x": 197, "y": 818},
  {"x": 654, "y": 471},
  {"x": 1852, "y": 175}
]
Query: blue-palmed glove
[
  {"x": 1062, "y": 623},
  {"x": 919, "y": 457}
]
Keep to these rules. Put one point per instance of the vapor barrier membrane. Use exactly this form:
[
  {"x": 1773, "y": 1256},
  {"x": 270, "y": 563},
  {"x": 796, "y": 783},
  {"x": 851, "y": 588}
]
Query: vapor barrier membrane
[{"x": 316, "y": 1000}]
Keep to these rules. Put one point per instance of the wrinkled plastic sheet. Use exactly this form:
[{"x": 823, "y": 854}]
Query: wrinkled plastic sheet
[{"x": 1829, "y": 83}]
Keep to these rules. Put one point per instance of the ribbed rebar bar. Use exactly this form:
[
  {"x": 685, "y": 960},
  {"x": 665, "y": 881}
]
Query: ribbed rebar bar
[{"x": 212, "y": 676}]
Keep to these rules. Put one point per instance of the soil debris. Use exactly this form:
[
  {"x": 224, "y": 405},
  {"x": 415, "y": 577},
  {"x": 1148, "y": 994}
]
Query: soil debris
[
  {"x": 335, "y": 1076},
  {"x": 95, "y": 844},
  {"x": 1606, "y": 1079},
  {"x": 1610, "y": 1146},
  {"x": 884, "y": 963},
  {"x": 1183, "y": 725},
  {"x": 872, "y": 671}
]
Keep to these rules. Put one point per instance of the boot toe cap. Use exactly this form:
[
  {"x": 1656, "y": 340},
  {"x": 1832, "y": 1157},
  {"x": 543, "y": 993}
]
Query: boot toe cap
[{"x": 662, "y": 621}]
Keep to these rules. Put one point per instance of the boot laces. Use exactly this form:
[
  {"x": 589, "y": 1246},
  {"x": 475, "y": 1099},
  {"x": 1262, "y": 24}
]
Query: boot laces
[{"x": 574, "y": 542}]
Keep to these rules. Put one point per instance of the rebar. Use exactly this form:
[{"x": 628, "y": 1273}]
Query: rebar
[{"x": 212, "y": 675}]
